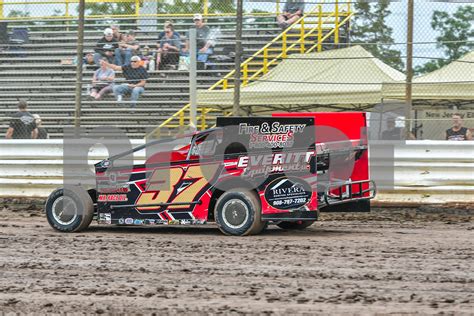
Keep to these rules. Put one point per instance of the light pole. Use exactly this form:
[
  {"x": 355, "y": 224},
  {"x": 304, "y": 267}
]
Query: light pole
[
  {"x": 80, "y": 52},
  {"x": 409, "y": 72},
  {"x": 238, "y": 56}
]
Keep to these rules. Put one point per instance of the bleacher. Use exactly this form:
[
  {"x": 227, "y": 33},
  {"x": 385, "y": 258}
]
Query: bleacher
[{"x": 36, "y": 73}]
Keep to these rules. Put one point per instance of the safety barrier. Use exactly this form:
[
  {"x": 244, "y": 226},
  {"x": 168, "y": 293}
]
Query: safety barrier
[
  {"x": 425, "y": 171},
  {"x": 428, "y": 172}
]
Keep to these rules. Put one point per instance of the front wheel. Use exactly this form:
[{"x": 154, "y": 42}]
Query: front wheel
[
  {"x": 238, "y": 212},
  {"x": 295, "y": 225},
  {"x": 69, "y": 209}
]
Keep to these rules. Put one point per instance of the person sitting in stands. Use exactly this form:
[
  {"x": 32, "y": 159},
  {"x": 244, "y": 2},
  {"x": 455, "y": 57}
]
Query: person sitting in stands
[
  {"x": 119, "y": 37},
  {"x": 42, "y": 133},
  {"x": 105, "y": 47},
  {"x": 102, "y": 81},
  {"x": 88, "y": 60},
  {"x": 458, "y": 132},
  {"x": 147, "y": 56},
  {"x": 135, "y": 76},
  {"x": 163, "y": 33},
  {"x": 126, "y": 49},
  {"x": 168, "y": 51},
  {"x": 292, "y": 11},
  {"x": 204, "y": 41},
  {"x": 22, "y": 124}
]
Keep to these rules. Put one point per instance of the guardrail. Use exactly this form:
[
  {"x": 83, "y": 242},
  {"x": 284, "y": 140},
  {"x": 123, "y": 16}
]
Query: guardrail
[{"x": 425, "y": 171}]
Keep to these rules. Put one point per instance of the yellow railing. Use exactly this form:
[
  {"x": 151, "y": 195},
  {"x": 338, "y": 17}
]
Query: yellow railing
[
  {"x": 284, "y": 47},
  {"x": 136, "y": 12}
]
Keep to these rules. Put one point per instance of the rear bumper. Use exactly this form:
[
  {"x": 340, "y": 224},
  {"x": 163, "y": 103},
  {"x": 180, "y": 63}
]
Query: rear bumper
[{"x": 349, "y": 191}]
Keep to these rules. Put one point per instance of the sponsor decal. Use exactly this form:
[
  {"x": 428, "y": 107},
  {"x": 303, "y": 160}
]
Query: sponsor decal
[
  {"x": 112, "y": 182},
  {"x": 105, "y": 218},
  {"x": 124, "y": 189},
  {"x": 265, "y": 164},
  {"x": 271, "y": 135},
  {"x": 112, "y": 198},
  {"x": 151, "y": 221},
  {"x": 288, "y": 193}
]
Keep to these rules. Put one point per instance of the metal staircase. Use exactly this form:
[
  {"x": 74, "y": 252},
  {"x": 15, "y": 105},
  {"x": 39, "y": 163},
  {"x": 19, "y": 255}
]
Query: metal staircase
[{"x": 309, "y": 34}]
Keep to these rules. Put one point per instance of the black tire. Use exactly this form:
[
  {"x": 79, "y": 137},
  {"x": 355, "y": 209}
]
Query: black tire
[
  {"x": 238, "y": 212},
  {"x": 295, "y": 225},
  {"x": 77, "y": 204}
]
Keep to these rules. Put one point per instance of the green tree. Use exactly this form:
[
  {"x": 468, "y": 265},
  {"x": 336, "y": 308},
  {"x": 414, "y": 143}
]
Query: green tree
[
  {"x": 109, "y": 8},
  {"x": 369, "y": 26},
  {"x": 222, "y": 6},
  {"x": 454, "y": 32},
  {"x": 18, "y": 14},
  {"x": 186, "y": 6},
  {"x": 181, "y": 7}
]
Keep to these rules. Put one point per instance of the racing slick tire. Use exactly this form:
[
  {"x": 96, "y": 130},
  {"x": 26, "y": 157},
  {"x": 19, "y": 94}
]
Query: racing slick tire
[
  {"x": 69, "y": 210},
  {"x": 238, "y": 212},
  {"x": 295, "y": 225}
]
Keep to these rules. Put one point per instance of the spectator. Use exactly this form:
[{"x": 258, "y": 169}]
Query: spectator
[
  {"x": 105, "y": 47},
  {"x": 126, "y": 49},
  {"x": 147, "y": 56},
  {"x": 458, "y": 132},
  {"x": 88, "y": 61},
  {"x": 119, "y": 37},
  {"x": 22, "y": 125},
  {"x": 162, "y": 34},
  {"x": 168, "y": 51},
  {"x": 135, "y": 76},
  {"x": 204, "y": 41},
  {"x": 292, "y": 11},
  {"x": 102, "y": 81},
  {"x": 392, "y": 132},
  {"x": 42, "y": 133}
]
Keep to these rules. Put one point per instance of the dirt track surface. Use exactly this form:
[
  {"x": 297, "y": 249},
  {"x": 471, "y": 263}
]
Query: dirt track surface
[{"x": 385, "y": 262}]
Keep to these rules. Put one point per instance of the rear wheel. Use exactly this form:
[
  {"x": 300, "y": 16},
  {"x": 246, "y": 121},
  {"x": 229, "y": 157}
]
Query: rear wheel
[
  {"x": 69, "y": 210},
  {"x": 238, "y": 213},
  {"x": 295, "y": 225}
]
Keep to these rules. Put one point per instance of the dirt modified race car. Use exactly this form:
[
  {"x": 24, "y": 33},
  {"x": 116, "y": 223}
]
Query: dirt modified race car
[{"x": 243, "y": 174}]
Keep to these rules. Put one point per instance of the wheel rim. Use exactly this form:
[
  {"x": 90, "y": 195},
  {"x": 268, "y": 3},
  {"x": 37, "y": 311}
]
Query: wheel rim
[
  {"x": 64, "y": 210},
  {"x": 235, "y": 213}
]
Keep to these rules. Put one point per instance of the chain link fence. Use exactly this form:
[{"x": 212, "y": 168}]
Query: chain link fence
[{"x": 296, "y": 56}]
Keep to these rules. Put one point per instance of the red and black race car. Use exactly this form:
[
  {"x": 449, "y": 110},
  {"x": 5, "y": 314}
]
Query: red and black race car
[{"x": 242, "y": 175}]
